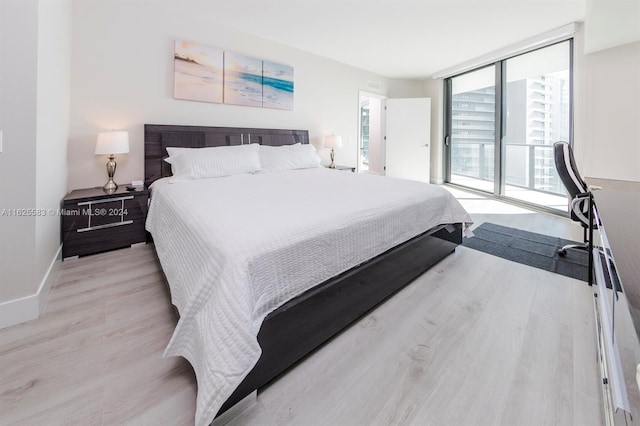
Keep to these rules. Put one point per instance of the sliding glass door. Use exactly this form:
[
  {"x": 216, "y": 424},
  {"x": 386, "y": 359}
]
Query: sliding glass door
[
  {"x": 472, "y": 137},
  {"x": 502, "y": 122}
]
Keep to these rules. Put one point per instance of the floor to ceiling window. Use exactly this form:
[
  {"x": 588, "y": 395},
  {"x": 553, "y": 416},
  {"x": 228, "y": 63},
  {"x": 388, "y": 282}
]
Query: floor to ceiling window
[{"x": 502, "y": 122}]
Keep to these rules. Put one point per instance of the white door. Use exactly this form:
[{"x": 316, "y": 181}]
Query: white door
[{"x": 408, "y": 132}]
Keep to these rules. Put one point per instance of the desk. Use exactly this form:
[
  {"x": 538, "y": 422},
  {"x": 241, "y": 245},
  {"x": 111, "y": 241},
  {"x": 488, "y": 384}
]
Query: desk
[
  {"x": 618, "y": 203},
  {"x": 618, "y": 206}
]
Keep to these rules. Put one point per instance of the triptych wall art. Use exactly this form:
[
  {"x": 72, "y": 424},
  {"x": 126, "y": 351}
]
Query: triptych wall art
[{"x": 209, "y": 74}]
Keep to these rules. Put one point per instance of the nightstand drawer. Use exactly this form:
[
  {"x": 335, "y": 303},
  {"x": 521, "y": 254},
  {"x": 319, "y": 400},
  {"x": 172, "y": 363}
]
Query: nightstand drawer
[
  {"x": 96, "y": 214},
  {"x": 99, "y": 240}
]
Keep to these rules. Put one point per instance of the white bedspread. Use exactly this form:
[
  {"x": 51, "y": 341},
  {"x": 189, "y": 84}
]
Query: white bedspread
[{"x": 235, "y": 248}]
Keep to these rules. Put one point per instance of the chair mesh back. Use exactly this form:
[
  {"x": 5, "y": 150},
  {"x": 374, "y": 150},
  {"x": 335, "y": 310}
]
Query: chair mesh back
[{"x": 568, "y": 172}]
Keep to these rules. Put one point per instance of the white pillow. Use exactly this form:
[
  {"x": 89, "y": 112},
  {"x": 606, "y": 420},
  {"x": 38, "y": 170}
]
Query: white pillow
[
  {"x": 288, "y": 157},
  {"x": 197, "y": 163}
]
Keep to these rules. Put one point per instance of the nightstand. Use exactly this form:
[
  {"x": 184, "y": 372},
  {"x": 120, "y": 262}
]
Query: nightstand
[
  {"x": 345, "y": 168},
  {"x": 94, "y": 221}
]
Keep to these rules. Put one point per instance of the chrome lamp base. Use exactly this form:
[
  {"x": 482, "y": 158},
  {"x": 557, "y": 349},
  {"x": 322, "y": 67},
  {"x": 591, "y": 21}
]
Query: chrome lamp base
[
  {"x": 332, "y": 165},
  {"x": 110, "y": 186}
]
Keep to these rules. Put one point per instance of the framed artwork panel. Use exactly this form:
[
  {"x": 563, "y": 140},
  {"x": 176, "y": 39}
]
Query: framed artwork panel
[{"x": 198, "y": 72}]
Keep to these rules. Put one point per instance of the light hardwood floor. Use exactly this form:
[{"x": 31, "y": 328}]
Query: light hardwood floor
[{"x": 477, "y": 340}]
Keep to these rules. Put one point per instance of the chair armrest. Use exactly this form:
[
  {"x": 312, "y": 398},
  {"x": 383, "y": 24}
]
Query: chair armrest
[{"x": 577, "y": 211}]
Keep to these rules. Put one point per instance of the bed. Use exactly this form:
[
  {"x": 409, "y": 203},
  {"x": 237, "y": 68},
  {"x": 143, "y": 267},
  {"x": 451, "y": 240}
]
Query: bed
[{"x": 291, "y": 256}]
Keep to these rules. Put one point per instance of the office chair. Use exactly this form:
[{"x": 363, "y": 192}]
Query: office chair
[{"x": 577, "y": 190}]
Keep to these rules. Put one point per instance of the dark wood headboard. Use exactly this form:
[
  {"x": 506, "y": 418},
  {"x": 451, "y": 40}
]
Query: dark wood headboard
[{"x": 157, "y": 137}]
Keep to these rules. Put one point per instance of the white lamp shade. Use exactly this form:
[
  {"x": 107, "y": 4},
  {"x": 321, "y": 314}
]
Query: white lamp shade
[
  {"x": 116, "y": 142},
  {"x": 332, "y": 141}
]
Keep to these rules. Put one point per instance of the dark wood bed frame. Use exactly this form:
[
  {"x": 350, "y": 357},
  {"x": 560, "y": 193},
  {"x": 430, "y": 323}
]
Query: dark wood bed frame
[{"x": 304, "y": 323}]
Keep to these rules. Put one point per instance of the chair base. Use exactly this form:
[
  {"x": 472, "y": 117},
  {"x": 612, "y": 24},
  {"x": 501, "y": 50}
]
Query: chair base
[{"x": 563, "y": 251}]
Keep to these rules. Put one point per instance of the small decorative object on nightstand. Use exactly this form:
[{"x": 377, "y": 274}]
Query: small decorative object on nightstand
[
  {"x": 111, "y": 143},
  {"x": 343, "y": 168},
  {"x": 93, "y": 222},
  {"x": 332, "y": 141}
]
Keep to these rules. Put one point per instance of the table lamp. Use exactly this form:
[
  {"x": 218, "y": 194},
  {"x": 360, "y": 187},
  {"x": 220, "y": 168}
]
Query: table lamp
[
  {"x": 110, "y": 143},
  {"x": 332, "y": 141}
]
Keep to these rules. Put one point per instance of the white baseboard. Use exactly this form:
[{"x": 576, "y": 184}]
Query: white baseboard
[
  {"x": 28, "y": 308},
  {"x": 49, "y": 278},
  {"x": 17, "y": 311}
]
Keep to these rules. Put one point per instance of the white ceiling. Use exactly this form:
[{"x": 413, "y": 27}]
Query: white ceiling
[{"x": 393, "y": 38}]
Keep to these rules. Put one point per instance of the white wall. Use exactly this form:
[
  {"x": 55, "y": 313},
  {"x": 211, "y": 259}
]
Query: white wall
[
  {"x": 607, "y": 114},
  {"x": 607, "y": 90},
  {"x": 53, "y": 103},
  {"x": 434, "y": 89},
  {"x": 18, "y": 68},
  {"x": 611, "y": 23},
  {"x": 122, "y": 78},
  {"x": 35, "y": 46},
  {"x": 398, "y": 88}
]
